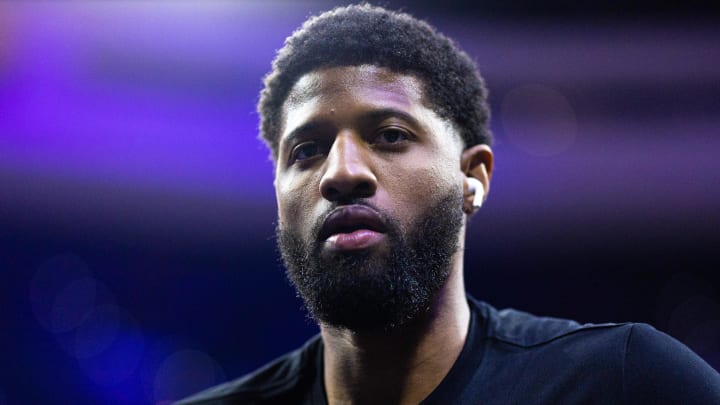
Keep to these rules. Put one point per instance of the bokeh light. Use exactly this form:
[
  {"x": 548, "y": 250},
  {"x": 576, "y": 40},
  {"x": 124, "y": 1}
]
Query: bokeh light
[
  {"x": 185, "y": 372},
  {"x": 704, "y": 339},
  {"x": 538, "y": 119},
  {"x": 695, "y": 310},
  {"x": 62, "y": 293},
  {"x": 98, "y": 332},
  {"x": 120, "y": 358}
]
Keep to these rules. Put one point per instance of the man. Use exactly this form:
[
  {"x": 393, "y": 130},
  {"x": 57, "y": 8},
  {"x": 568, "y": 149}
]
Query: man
[{"x": 378, "y": 127}]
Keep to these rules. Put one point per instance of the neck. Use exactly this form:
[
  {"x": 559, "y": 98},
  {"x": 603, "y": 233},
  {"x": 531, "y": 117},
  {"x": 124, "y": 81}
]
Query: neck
[{"x": 402, "y": 366}]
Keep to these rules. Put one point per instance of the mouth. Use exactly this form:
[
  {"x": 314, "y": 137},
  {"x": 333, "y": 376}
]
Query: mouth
[{"x": 352, "y": 227}]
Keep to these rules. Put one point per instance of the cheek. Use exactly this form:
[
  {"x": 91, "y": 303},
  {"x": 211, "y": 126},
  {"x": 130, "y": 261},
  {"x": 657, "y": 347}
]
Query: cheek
[
  {"x": 419, "y": 185},
  {"x": 295, "y": 202}
]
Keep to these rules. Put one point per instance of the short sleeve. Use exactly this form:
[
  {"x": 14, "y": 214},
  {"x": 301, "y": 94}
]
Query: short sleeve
[{"x": 659, "y": 369}]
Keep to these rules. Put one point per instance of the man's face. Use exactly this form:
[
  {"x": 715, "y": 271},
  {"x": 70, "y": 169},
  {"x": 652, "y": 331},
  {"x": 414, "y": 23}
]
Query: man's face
[{"x": 369, "y": 193}]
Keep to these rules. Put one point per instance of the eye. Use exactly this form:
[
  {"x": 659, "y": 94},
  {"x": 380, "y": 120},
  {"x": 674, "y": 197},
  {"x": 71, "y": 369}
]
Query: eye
[
  {"x": 392, "y": 136},
  {"x": 305, "y": 150}
]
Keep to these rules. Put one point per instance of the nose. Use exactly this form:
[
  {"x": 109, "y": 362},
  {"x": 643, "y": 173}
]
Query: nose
[{"x": 347, "y": 175}]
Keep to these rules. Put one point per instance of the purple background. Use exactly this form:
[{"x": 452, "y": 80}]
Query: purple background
[{"x": 136, "y": 204}]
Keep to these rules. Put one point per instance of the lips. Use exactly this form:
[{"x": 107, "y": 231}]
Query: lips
[{"x": 352, "y": 227}]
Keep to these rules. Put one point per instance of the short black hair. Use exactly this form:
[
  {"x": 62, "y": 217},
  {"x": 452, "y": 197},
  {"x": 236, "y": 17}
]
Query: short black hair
[{"x": 367, "y": 35}]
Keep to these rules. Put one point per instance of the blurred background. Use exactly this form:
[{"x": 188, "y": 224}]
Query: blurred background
[{"x": 137, "y": 255}]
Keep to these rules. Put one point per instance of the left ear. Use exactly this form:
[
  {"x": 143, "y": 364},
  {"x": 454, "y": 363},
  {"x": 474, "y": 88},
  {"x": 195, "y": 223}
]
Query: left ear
[{"x": 477, "y": 162}]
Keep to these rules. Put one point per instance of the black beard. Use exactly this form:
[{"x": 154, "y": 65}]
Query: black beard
[{"x": 380, "y": 290}]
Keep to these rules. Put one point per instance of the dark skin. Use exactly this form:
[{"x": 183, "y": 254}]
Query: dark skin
[{"x": 366, "y": 132}]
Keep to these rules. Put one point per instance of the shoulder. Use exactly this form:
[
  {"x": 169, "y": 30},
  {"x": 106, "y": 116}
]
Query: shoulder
[
  {"x": 522, "y": 329},
  {"x": 629, "y": 362},
  {"x": 285, "y": 378},
  {"x": 658, "y": 367}
]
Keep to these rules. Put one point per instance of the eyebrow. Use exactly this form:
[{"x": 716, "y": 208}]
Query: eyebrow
[
  {"x": 298, "y": 132},
  {"x": 387, "y": 112},
  {"x": 374, "y": 115}
]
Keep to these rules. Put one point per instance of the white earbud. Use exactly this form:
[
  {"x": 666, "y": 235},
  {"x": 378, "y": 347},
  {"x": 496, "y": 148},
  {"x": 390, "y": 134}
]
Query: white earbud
[{"x": 477, "y": 188}]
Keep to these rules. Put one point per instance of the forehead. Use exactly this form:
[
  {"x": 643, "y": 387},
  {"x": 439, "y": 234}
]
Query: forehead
[{"x": 364, "y": 80}]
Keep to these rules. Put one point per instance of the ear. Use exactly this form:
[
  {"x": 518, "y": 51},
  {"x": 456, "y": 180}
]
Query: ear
[{"x": 477, "y": 162}]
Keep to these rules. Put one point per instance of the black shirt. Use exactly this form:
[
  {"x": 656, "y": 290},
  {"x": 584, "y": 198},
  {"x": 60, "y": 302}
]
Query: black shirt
[{"x": 512, "y": 357}]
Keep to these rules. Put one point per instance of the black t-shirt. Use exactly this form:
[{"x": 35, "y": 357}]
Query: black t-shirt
[{"x": 512, "y": 357}]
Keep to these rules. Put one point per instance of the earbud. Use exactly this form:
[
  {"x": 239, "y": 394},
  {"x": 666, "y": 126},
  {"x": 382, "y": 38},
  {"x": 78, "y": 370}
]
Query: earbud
[{"x": 477, "y": 188}]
